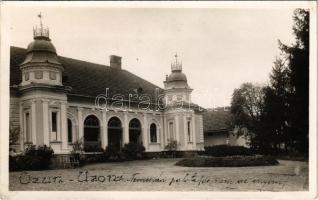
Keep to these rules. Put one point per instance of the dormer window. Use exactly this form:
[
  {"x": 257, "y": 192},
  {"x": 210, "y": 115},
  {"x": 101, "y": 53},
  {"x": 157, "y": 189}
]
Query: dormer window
[
  {"x": 52, "y": 75},
  {"x": 38, "y": 74}
]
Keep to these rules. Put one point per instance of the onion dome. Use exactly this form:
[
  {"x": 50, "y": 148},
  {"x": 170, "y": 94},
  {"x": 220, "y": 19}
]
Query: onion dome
[
  {"x": 41, "y": 49},
  {"x": 176, "y": 79}
]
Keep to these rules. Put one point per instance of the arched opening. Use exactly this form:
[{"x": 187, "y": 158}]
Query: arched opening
[
  {"x": 135, "y": 131},
  {"x": 114, "y": 134},
  {"x": 153, "y": 133},
  {"x": 69, "y": 131},
  {"x": 91, "y": 134}
]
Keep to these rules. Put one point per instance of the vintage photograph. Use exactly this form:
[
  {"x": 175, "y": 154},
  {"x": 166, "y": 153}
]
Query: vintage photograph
[{"x": 181, "y": 97}]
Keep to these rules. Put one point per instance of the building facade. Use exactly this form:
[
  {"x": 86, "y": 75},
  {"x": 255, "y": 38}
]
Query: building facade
[{"x": 57, "y": 101}]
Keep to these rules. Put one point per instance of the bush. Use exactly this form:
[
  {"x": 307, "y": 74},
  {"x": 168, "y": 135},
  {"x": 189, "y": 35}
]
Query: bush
[
  {"x": 32, "y": 159},
  {"x": 226, "y": 150},
  {"x": 229, "y": 161},
  {"x": 133, "y": 151}
]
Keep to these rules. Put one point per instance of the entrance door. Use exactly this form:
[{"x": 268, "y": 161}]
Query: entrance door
[{"x": 114, "y": 134}]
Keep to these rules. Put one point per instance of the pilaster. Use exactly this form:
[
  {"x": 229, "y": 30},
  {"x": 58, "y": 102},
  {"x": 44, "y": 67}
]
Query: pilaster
[
  {"x": 64, "y": 126},
  {"x": 33, "y": 118}
]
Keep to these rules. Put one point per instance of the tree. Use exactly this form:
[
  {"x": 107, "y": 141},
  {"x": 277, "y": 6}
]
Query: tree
[
  {"x": 297, "y": 56},
  {"x": 274, "y": 117},
  {"x": 246, "y": 109}
]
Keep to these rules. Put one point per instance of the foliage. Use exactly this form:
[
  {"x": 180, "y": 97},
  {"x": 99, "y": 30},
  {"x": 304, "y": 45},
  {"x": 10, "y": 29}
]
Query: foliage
[
  {"x": 229, "y": 161},
  {"x": 277, "y": 116},
  {"x": 172, "y": 145},
  {"x": 33, "y": 158},
  {"x": 226, "y": 150},
  {"x": 247, "y": 107},
  {"x": 77, "y": 152},
  {"x": 133, "y": 150},
  {"x": 297, "y": 56},
  {"x": 14, "y": 133},
  {"x": 171, "y": 148}
]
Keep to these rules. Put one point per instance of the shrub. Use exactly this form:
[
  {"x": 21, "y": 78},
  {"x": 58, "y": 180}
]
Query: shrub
[
  {"x": 92, "y": 148},
  {"x": 171, "y": 148},
  {"x": 226, "y": 150},
  {"x": 133, "y": 151},
  {"x": 33, "y": 158},
  {"x": 228, "y": 161}
]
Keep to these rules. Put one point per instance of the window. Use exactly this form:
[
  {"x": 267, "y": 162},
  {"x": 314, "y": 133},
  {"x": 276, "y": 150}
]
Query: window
[
  {"x": 26, "y": 76},
  {"x": 28, "y": 127},
  {"x": 69, "y": 131},
  {"x": 189, "y": 131},
  {"x": 52, "y": 75},
  {"x": 54, "y": 125},
  {"x": 171, "y": 132},
  {"x": 153, "y": 133},
  {"x": 38, "y": 74}
]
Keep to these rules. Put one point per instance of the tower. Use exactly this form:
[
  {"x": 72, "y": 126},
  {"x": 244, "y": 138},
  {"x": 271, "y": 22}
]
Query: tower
[
  {"x": 43, "y": 111},
  {"x": 180, "y": 114},
  {"x": 176, "y": 85}
]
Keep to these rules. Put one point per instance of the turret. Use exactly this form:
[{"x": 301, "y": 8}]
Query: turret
[{"x": 41, "y": 64}]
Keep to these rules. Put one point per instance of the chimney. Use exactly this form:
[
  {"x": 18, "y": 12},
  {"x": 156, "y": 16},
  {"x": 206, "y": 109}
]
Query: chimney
[{"x": 115, "y": 62}]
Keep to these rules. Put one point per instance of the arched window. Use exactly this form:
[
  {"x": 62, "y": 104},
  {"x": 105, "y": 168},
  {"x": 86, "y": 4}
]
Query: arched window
[
  {"x": 153, "y": 133},
  {"x": 69, "y": 131},
  {"x": 114, "y": 134},
  {"x": 135, "y": 131},
  {"x": 114, "y": 122},
  {"x": 91, "y": 128}
]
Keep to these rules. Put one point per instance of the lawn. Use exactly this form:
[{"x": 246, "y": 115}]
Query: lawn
[{"x": 163, "y": 175}]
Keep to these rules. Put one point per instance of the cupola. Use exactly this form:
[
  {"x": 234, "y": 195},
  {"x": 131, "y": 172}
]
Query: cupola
[
  {"x": 177, "y": 79},
  {"x": 41, "y": 64}
]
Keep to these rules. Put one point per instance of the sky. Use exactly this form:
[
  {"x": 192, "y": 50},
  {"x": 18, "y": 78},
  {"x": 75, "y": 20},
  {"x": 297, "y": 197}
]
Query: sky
[{"x": 220, "y": 48}]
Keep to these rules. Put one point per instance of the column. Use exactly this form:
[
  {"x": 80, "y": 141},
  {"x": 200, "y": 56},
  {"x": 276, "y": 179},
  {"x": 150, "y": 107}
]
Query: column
[
  {"x": 145, "y": 131},
  {"x": 46, "y": 130},
  {"x": 161, "y": 132},
  {"x": 64, "y": 126},
  {"x": 104, "y": 136},
  {"x": 33, "y": 124},
  {"x": 126, "y": 129},
  {"x": 194, "y": 132},
  {"x": 166, "y": 126},
  {"x": 176, "y": 119},
  {"x": 80, "y": 124}
]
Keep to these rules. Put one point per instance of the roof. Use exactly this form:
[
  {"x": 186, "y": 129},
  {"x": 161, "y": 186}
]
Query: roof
[
  {"x": 216, "y": 119},
  {"x": 89, "y": 79}
]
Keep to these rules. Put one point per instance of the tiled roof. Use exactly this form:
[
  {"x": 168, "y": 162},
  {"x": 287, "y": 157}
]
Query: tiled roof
[
  {"x": 89, "y": 79},
  {"x": 216, "y": 119}
]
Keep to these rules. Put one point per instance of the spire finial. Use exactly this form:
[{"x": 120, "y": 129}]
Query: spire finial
[
  {"x": 40, "y": 16},
  {"x": 41, "y": 32},
  {"x": 176, "y": 66}
]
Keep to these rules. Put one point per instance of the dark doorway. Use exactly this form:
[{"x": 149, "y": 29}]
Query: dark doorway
[
  {"x": 114, "y": 134},
  {"x": 135, "y": 131},
  {"x": 91, "y": 134}
]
